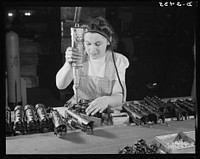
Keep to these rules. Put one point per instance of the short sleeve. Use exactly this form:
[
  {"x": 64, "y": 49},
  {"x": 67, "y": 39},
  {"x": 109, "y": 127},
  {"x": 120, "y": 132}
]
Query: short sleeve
[{"x": 122, "y": 64}]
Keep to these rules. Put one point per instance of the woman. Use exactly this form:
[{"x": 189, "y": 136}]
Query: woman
[{"x": 101, "y": 79}]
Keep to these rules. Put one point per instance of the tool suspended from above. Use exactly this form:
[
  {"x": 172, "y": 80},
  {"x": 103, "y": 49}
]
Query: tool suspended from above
[{"x": 77, "y": 42}]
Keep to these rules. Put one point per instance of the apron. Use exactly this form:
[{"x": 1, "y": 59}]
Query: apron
[{"x": 91, "y": 87}]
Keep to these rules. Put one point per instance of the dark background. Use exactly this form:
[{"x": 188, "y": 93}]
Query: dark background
[{"x": 162, "y": 41}]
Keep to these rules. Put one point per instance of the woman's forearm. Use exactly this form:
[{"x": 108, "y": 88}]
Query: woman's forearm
[
  {"x": 64, "y": 76},
  {"x": 115, "y": 100}
]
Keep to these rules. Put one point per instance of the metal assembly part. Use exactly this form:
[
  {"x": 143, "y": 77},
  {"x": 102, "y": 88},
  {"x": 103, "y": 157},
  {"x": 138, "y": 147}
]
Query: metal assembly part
[
  {"x": 135, "y": 116},
  {"x": 157, "y": 108},
  {"x": 42, "y": 116},
  {"x": 143, "y": 113},
  {"x": 177, "y": 111},
  {"x": 140, "y": 147},
  {"x": 19, "y": 119},
  {"x": 8, "y": 122},
  {"x": 155, "y": 103},
  {"x": 152, "y": 115},
  {"x": 31, "y": 118},
  {"x": 155, "y": 115},
  {"x": 80, "y": 110},
  {"x": 77, "y": 121},
  {"x": 81, "y": 107},
  {"x": 60, "y": 127},
  {"x": 190, "y": 108}
]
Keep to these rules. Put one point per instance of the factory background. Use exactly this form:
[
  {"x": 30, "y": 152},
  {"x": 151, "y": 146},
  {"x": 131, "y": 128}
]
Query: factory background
[{"x": 159, "y": 42}]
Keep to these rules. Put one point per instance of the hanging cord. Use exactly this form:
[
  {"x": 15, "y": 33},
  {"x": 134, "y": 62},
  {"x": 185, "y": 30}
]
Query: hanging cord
[
  {"x": 77, "y": 16},
  {"x": 118, "y": 75},
  {"x": 116, "y": 70}
]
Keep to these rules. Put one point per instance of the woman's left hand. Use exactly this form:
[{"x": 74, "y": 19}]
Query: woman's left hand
[{"x": 97, "y": 105}]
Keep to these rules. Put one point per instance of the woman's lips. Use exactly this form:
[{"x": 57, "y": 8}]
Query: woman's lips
[{"x": 94, "y": 54}]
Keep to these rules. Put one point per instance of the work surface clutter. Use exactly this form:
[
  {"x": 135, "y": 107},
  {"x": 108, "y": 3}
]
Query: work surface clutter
[{"x": 149, "y": 126}]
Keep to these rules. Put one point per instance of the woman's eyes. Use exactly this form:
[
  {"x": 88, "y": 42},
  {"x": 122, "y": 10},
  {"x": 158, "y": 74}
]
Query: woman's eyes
[
  {"x": 97, "y": 44},
  {"x": 88, "y": 43}
]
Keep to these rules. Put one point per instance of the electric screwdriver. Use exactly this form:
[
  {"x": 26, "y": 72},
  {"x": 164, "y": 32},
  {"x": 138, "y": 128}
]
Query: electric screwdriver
[{"x": 77, "y": 34}]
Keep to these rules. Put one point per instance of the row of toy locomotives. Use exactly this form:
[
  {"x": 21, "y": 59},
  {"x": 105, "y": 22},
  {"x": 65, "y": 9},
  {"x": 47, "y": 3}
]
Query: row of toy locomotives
[
  {"x": 39, "y": 119},
  {"x": 27, "y": 119},
  {"x": 153, "y": 110}
]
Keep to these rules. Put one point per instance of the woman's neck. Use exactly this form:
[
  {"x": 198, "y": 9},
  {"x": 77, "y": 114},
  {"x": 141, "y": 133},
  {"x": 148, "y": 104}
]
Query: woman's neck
[{"x": 98, "y": 59}]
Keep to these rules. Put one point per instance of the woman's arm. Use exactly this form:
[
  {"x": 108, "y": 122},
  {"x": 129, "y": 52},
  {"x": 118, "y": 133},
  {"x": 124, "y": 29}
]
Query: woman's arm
[
  {"x": 64, "y": 76},
  {"x": 114, "y": 100}
]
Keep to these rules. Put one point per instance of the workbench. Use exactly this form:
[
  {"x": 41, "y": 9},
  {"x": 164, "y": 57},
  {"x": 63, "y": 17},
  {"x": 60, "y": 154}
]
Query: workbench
[{"x": 105, "y": 140}]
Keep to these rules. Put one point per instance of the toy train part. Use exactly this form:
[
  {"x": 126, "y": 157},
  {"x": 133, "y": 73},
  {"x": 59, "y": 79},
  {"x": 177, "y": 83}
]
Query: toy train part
[
  {"x": 154, "y": 114},
  {"x": 134, "y": 115},
  {"x": 179, "y": 108},
  {"x": 143, "y": 113},
  {"x": 170, "y": 110},
  {"x": 190, "y": 108},
  {"x": 177, "y": 111},
  {"x": 185, "y": 106},
  {"x": 19, "y": 120},
  {"x": 163, "y": 107},
  {"x": 77, "y": 121},
  {"x": 156, "y": 103},
  {"x": 60, "y": 128},
  {"x": 154, "y": 109},
  {"x": 31, "y": 118},
  {"x": 44, "y": 122},
  {"x": 140, "y": 147},
  {"x": 191, "y": 101},
  {"x": 9, "y": 125},
  {"x": 81, "y": 106}
]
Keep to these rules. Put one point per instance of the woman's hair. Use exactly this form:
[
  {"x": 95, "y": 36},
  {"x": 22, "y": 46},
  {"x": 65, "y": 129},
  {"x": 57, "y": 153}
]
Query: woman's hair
[{"x": 101, "y": 25}]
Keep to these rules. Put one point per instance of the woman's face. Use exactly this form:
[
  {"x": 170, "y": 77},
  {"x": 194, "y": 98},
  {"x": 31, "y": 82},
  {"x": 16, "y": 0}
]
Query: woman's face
[{"x": 95, "y": 45}]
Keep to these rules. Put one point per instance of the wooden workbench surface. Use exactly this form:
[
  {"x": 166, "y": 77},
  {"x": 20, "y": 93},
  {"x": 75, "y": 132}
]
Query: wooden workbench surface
[{"x": 105, "y": 140}]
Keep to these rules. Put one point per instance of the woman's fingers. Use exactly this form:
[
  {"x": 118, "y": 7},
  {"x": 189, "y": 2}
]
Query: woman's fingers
[
  {"x": 92, "y": 107},
  {"x": 95, "y": 111},
  {"x": 89, "y": 109},
  {"x": 102, "y": 109},
  {"x": 72, "y": 56},
  {"x": 97, "y": 105}
]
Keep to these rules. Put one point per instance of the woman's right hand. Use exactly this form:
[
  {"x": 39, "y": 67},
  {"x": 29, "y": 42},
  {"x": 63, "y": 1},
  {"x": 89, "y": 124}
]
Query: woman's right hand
[{"x": 72, "y": 55}]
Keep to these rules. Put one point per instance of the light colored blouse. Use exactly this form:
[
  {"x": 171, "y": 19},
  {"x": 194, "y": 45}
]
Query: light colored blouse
[
  {"x": 97, "y": 69},
  {"x": 98, "y": 77}
]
